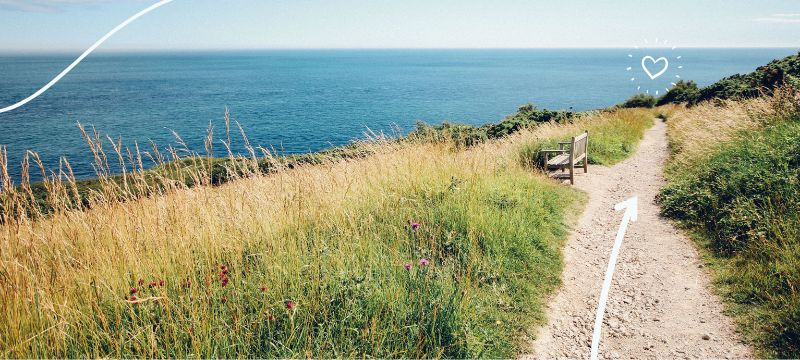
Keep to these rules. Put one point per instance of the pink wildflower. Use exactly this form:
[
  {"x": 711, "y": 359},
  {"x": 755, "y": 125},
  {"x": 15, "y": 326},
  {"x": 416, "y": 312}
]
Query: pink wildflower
[
  {"x": 414, "y": 225},
  {"x": 134, "y": 290},
  {"x": 424, "y": 262},
  {"x": 407, "y": 266},
  {"x": 290, "y": 305}
]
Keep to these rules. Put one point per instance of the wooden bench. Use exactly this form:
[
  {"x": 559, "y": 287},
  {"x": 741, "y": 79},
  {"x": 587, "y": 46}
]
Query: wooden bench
[{"x": 568, "y": 158}]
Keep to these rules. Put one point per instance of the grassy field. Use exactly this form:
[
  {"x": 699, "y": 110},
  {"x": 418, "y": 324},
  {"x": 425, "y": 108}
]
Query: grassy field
[
  {"x": 734, "y": 181},
  {"x": 422, "y": 250}
]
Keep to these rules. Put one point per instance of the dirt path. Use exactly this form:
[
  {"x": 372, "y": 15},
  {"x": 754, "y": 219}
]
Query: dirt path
[{"x": 660, "y": 303}]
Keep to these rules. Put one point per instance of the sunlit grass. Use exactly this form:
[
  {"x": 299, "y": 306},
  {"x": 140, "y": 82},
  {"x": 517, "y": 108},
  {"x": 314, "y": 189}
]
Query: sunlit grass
[{"x": 417, "y": 250}]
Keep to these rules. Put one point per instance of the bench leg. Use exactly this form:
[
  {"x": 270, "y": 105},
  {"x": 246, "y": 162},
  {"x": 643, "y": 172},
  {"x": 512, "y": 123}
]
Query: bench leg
[
  {"x": 585, "y": 165},
  {"x": 572, "y": 174}
]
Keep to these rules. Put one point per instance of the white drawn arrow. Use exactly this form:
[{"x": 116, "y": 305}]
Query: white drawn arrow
[
  {"x": 631, "y": 213},
  {"x": 84, "y": 55}
]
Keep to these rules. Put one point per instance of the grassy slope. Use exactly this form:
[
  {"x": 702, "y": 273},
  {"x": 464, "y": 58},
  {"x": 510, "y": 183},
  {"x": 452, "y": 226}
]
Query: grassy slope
[
  {"x": 331, "y": 238},
  {"x": 740, "y": 197}
]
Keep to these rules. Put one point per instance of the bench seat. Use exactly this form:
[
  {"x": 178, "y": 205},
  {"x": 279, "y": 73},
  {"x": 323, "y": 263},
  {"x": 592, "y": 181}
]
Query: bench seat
[
  {"x": 559, "y": 160},
  {"x": 569, "y": 154}
]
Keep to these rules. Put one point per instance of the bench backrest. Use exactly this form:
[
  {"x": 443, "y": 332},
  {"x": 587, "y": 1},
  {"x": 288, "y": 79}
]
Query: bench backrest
[{"x": 579, "y": 145}]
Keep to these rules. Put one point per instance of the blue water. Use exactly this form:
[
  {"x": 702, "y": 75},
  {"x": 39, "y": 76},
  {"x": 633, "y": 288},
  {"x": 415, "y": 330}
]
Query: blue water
[{"x": 306, "y": 100}]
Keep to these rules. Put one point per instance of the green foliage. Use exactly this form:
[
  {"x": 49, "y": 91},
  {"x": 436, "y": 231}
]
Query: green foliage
[
  {"x": 460, "y": 134},
  {"x": 639, "y": 101},
  {"x": 682, "y": 92},
  {"x": 761, "y": 81},
  {"x": 468, "y": 135},
  {"x": 744, "y": 200},
  {"x": 526, "y": 116}
]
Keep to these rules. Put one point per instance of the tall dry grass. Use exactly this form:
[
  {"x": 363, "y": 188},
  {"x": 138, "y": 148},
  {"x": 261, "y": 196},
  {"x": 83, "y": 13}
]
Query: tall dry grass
[
  {"x": 695, "y": 132},
  {"x": 415, "y": 251}
]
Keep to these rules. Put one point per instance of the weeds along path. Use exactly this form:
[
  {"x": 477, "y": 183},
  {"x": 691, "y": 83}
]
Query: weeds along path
[{"x": 661, "y": 304}]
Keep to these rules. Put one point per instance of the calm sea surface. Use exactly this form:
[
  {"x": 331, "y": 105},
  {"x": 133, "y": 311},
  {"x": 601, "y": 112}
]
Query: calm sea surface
[{"x": 306, "y": 100}]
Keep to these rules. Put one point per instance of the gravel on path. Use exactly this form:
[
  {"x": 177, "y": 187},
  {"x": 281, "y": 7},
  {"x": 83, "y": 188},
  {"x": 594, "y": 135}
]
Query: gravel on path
[{"x": 661, "y": 304}]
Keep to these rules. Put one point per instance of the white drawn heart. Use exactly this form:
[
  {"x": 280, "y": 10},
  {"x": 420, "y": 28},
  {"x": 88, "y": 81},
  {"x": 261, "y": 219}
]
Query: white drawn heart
[{"x": 654, "y": 61}]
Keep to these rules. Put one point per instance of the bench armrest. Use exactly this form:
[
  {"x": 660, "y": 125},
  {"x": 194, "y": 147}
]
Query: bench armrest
[{"x": 562, "y": 143}]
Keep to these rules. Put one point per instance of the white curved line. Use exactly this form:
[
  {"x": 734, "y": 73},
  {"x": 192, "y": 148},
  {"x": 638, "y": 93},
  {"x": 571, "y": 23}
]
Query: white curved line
[{"x": 85, "y": 54}]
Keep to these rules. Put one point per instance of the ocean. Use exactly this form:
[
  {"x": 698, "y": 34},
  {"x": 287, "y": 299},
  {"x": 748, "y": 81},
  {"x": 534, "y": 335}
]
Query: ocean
[{"x": 300, "y": 101}]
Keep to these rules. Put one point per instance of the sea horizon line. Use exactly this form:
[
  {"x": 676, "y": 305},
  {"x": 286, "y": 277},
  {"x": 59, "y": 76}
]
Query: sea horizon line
[{"x": 365, "y": 49}]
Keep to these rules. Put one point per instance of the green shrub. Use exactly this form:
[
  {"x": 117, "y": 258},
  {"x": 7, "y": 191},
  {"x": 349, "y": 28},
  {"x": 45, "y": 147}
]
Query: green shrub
[
  {"x": 468, "y": 135},
  {"x": 682, "y": 92},
  {"x": 639, "y": 101},
  {"x": 761, "y": 81},
  {"x": 744, "y": 201},
  {"x": 460, "y": 134}
]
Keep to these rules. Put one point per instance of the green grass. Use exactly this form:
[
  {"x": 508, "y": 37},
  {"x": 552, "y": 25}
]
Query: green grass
[
  {"x": 610, "y": 141},
  {"x": 742, "y": 200},
  {"x": 493, "y": 244}
]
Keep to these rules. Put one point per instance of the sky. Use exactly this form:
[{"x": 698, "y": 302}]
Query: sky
[{"x": 69, "y": 25}]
